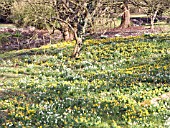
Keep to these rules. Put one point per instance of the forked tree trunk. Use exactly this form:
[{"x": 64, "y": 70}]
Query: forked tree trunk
[
  {"x": 68, "y": 35},
  {"x": 78, "y": 36},
  {"x": 125, "y": 19},
  {"x": 78, "y": 46},
  {"x": 70, "y": 32}
]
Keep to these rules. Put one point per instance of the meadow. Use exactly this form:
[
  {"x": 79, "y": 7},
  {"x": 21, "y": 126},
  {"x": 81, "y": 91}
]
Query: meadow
[{"x": 110, "y": 85}]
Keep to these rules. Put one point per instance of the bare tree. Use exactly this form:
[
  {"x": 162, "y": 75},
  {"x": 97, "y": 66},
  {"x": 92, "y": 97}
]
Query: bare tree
[
  {"x": 73, "y": 16},
  {"x": 151, "y": 7},
  {"x": 76, "y": 14}
]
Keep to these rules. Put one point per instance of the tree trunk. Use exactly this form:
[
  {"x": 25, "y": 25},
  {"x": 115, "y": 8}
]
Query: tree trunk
[
  {"x": 125, "y": 19},
  {"x": 68, "y": 35},
  {"x": 72, "y": 32},
  {"x": 78, "y": 46},
  {"x": 153, "y": 17},
  {"x": 152, "y": 23}
]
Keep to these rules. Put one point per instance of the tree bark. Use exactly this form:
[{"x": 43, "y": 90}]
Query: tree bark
[
  {"x": 153, "y": 17},
  {"x": 78, "y": 46},
  {"x": 125, "y": 19},
  {"x": 152, "y": 23},
  {"x": 68, "y": 35}
]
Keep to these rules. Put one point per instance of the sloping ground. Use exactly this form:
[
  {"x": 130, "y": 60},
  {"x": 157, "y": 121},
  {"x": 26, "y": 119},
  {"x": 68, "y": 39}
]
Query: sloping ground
[
  {"x": 104, "y": 87},
  {"x": 26, "y": 38}
]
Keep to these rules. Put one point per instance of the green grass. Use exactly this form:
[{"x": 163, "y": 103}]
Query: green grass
[{"x": 105, "y": 87}]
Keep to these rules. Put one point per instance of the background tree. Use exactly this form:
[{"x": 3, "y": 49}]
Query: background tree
[
  {"x": 125, "y": 18},
  {"x": 77, "y": 15},
  {"x": 72, "y": 16},
  {"x": 31, "y": 13},
  {"x": 151, "y": 7},
  {"x": 5, "y": 10}
]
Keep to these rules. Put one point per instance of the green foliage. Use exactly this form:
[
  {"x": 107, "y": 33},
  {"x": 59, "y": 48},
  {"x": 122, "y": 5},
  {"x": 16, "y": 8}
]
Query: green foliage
[
  {"x": 33, "y": 14},
  {"x": 109, "y": 85},
  {"x": 4, "y": 38}
]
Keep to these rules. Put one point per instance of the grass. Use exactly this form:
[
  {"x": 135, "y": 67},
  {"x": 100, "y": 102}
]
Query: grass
[
  {"x": 161, "y": 26},
  {"x": 106, "y": 86},
  {"x": 7, "y": 26}
]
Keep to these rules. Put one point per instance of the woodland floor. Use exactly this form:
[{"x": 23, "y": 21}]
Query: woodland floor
[{"x": 20, "y": 38}]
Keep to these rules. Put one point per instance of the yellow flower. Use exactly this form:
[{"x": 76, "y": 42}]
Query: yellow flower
[
  {"x": 31, "y": 111},
  {"x": 76, "y": 120},
  {"x": 165, "y": 67},
  {"x": 75, "y": 107},
  {"x": 96, "y": 105},
  {"x": 129, "y": 72},
  {"x": 156, "y": 66},
  {"x": 21, "y": 108}
]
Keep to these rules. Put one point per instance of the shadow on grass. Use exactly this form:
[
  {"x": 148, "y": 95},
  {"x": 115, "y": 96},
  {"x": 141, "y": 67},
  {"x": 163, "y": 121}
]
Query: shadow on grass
[
  {"x": 9, "y": 75},
  {"x": 32, "y": 52}
]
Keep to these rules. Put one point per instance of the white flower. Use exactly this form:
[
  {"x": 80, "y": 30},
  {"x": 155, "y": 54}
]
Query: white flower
[{"x": 167, "y": 122}]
